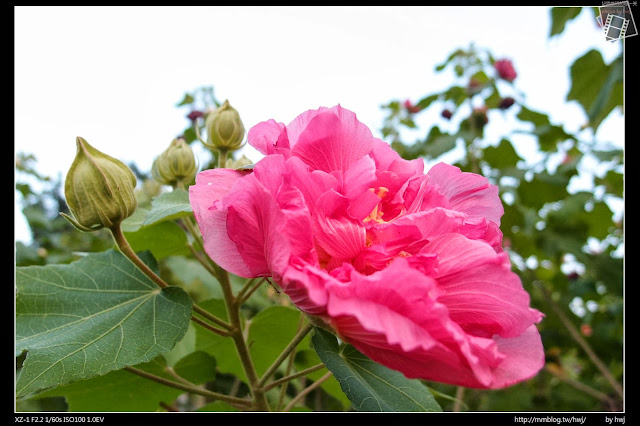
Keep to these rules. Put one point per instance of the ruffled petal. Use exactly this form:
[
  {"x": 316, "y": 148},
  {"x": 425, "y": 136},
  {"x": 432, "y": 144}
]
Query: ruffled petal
[
  {"x": 467, "y": 192},
  {"x": 479, "y": 289},
  {"x": 269, "y": 137},
  {"x": 332, "y": 140}
]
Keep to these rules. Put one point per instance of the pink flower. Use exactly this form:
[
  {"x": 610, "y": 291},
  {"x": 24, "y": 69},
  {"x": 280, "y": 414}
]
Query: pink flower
[
  {"x": 505, "y": 69},
  {"x": 408, "y": 267}
]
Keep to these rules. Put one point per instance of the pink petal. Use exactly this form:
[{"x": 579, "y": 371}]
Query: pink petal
[
  {"x": 467, "y": 192},
  {"x": 335, "y": 232},
  {"x": 269, "y": 137},
  {"x": 524, "y": 357},
  {"x": 332, "y": 140},
  {"x": 254, "y": 223},
  {"x": 478, "y": 287}
]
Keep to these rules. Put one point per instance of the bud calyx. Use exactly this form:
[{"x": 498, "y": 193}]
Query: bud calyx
[{"x": 99, "y": 189}]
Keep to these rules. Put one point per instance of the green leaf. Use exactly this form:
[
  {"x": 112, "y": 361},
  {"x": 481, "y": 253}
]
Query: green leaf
[
  {"x": 560, "y": 16},
  {"x": 596, "y": 86},
  {"x": 162, "y": 239},
  {"x": 427, "y": 101},
  {"x": 169, "y": 206},
  {"x": 92, "y": 316},
  {"x": 136, "y": 221},
  {"x": 613, "y": 182},
  {"x": 188, "y": 99},
  {"x": 197, "y": 367},
  {"x": 502, "y": 156},
  {"x": 371, "y": 386},
  {"x": 437, "y": 143},
  {"x": 538, "y": 119},
  {"x": 543, "y": 188},
  {"x": 269, "y": 333},
  {"x": 306, "y": 358},
  {"x": 118, "y": 391}
]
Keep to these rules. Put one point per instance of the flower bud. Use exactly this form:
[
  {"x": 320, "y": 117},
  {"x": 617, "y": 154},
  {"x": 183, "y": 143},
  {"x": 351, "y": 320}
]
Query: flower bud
[
  {"x": 99, "y": 189},
  {"x": 176, "y": 165},
  {"x": 225, "y": 130},
  {"x": 505, "y": 103}
]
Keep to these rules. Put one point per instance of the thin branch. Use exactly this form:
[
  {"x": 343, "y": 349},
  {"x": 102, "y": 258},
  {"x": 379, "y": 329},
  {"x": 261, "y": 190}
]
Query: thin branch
[
  {"x": 575, "y": 334},
  {"x": 211, "y": 328},
  {"x": 126, "y": 249},
  {"x": 291, "y": 346},
  {"x": 245, "y": 297},
  {"x": 457, "y": 405},
  {"x": 581, "y": 386},
  {"x": 294, "y": 376},
  {"x": 306, "y": 391},
  {"x": 237, "y": 402}
]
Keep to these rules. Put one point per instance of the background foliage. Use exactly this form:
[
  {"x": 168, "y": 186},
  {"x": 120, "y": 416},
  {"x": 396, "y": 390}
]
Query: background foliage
[{"x": 566, "y": 245}]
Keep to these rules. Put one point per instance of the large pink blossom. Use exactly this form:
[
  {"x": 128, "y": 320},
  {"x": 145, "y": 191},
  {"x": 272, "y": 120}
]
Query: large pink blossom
[{"x": 406, "y": 266}]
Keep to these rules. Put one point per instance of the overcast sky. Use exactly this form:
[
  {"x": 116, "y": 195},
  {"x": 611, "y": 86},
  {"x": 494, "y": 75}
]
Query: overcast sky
[{"x": 114, "y": 75}]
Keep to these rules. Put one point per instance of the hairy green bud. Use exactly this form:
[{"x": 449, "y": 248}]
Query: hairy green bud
[
  {"x": 99, "y": 189},
  {"x": 176, "y": 165},
  {"x": 225, "y": 130}
]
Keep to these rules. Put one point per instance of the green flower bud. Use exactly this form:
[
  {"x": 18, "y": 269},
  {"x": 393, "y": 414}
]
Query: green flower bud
[
  {"x": 176, "y": 165},
  {"x": 225, "y": 130},
  {"x": 99, "y": 189}
]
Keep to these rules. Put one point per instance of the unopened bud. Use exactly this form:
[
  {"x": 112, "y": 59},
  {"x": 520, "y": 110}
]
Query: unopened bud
[
  {"x": 176, "y": 165},
  {"x": 99, "y": 189},
  {"x": 225, "y": 130}
]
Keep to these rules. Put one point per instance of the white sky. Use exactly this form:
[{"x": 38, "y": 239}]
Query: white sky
[{"x": 113, "y": 75}]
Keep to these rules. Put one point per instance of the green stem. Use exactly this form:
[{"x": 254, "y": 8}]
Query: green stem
[
  {"x": 245, "y": 297},
  {"x": 582, "y": 387},
  {"x": 245, "y": 288},
  {"x": 294, "y": 376},
  {"x": 233, "y": 312},
  {"x": 575, "y": 334},
  {"x": 222, "y": 158},
  {"x": 457, "y": 405},
  {"x": 290, "y": 347},
  {"x": 210, "y": 327},
  {"x": 126, "y": 249},
  {"x": 236, "y": 402},
  {"x": 306, "y": 391}
]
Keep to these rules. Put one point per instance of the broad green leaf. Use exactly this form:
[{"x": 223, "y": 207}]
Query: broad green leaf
[
  {"x": 169, "y": 206},
  {"x": 197, "y": 367},
  {"x": 269, "y": 333},
  {"x": 560, "y": 16},
  {"x": 502, "y": 156},
  {"x": 543, "y": 188},
  {"x": 596, "y": 86},
  {"x": 190, "y": 275},
  {"x": 162, "y": 239},
  {"x": 306, "y": 358},
  {"x": 92, "y": 316},
  {"x": 371, "y": 386},
  {"x": 136, "y": 221},
  {"x": 538, "y": 119},
  {"x": 437, "y": 143},
  {"x": 119, "y": 391}
]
